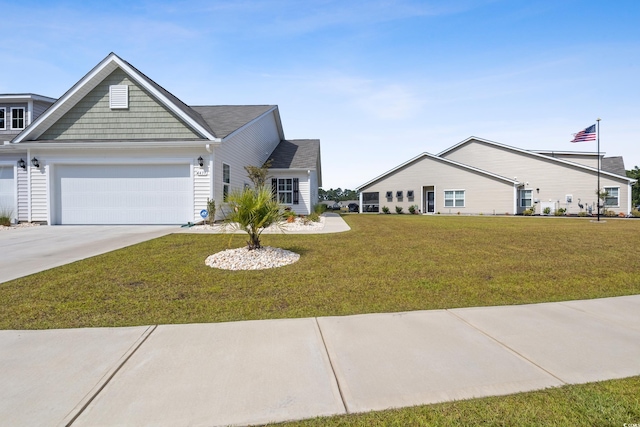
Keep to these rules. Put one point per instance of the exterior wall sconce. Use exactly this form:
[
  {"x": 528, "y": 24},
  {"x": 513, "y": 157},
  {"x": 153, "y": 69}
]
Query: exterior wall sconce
[
  {"x": 22, "y": 164},
  {"x": 537, "y": 190},
  {"x": 200, "y": 161},
  {"x": 35, "y": 163}
]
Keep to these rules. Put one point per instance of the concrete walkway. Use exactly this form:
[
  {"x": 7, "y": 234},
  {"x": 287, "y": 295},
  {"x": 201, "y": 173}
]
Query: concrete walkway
[{"x": 250, "y": 372}]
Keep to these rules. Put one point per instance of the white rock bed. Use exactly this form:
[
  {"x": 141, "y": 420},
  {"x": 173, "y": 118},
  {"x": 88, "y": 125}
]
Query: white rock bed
[
  {"x": 297, "y": 225},
  {"x": 257, "y": 259},
  {"x": 18, "y": 226}
]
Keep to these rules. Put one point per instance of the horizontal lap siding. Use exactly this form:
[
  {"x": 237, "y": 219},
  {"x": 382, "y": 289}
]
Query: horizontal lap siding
[
  {"x": 555, "y": 180},
  {"x": 249, "y": 147},
  {"x": 91, "y": 118},
  {"x": 23, "y": 195},
  {"x": 201, "y": 184},
  {"x": 39, "y": 193},
  {"x": 483, "y": 194}
]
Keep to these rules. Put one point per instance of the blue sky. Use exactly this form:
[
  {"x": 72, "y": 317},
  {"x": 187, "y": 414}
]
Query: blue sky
[{"x": 378, "y": 82}]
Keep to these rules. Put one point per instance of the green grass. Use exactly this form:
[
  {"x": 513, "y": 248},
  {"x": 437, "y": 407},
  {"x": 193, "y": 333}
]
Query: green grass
[
  {"x": 387, "y": 263},
  {"x": 607, "y": 403}
]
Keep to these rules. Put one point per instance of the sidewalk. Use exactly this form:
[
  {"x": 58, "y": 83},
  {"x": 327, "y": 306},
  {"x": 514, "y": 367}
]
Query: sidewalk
[{"x": 240, "y": 373}]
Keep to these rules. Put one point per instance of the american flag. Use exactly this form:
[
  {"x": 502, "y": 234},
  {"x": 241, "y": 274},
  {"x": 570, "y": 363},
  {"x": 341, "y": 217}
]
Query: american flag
[{"x": 589, "y": 134}]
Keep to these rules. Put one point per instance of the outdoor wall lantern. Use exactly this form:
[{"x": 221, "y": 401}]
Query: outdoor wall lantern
[
  {"x": 35, "y": 163},
  {"x": 537, "y": 190},
  {"x": 22, "y": 164},
  {"x": 200, "y": 161}
]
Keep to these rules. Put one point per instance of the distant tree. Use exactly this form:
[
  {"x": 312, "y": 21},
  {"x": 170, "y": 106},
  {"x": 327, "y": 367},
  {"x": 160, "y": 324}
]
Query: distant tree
[
  {"x": 635, "y": 195},
  {"x": 258, "y": 175},
  {"x": 337, "y": 195}
]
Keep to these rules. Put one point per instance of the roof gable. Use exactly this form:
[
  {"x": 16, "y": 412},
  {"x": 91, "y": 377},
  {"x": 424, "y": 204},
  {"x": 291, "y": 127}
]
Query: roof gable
[
  {"x": 440, "y": 159},
  {"x": 473, "y": 139},
  {"x": 94, "y": 78},
  {"x": 145, "y": 117}
]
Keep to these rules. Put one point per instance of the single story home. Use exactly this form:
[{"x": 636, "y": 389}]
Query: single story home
[
  {"x": 477, "y": 176},
  {"x": 117, "y": 148}
]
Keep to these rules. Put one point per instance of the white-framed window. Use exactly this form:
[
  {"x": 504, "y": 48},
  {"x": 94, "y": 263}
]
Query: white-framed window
[
  {"x": 3, "y": 118},
  {"x": 526, "y": 198},
  {"x": 454, "y": 198},
  {"x": 17, "y": 118},
  {"x": 613, "y": 196},
  {"x": 226, "y": 181},
  {"x": 285, "y": 191}
]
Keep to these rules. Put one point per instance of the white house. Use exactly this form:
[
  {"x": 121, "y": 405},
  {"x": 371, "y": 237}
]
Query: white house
[
  {"x": 117, "y": 148},
  {"x": 478, "y": 176}
]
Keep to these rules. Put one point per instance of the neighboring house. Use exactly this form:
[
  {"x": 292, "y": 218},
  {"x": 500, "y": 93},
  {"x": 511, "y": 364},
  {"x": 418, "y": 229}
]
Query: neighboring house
[
  {"x": 117, "y": 148},
  {"x": 17, "y": 111},
  {"x": 478, "y": 176}
]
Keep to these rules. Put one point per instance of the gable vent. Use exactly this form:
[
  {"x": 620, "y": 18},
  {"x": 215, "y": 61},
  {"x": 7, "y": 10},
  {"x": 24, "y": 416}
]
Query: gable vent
[{"x": 118, "y": 97}]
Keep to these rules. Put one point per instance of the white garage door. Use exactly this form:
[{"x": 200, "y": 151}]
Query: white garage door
[
  {"x": 7, "y": 192},
  {"x": 123, "y": 194}
]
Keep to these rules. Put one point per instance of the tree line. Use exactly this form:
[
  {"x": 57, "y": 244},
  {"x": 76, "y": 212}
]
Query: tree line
[{"x": 337, "y": 195}]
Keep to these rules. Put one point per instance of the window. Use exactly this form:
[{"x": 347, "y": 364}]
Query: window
[
  {"x": 389, "y": 195},
  {"x": 454, "y": 198},
  {"x": 286, "y": 190},
  {"x": 118, "y": 97},
  {"x": 226, "y": 179},
  {"x": 17, "y": 118},
  {"x": 399, "y": 195},
  {"x": 371, "y": 201},
  {"x": 526, "y": 198},
  {"x": 612, "y": 197},
  {"x": 3, "y": 122},
  {"x": 410, "y": 195}
]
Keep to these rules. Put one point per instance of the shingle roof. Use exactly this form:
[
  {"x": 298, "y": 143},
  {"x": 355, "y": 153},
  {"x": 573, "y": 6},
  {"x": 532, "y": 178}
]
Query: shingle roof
[
  {"x": 224, "y": 119},
  {"x": 296, "y": 154},
  {"x": 613, "y": 165}
]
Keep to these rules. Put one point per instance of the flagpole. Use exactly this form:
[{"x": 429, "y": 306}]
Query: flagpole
[{"x": 598, "y": 190}]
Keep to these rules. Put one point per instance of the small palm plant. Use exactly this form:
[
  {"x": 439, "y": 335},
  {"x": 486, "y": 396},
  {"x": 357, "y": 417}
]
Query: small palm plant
[{"x": 253, "y": 210}]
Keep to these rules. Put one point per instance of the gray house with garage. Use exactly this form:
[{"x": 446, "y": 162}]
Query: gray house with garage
[
  {"x": 478, "y": 176},
  {"x": 117, "y": 148}
]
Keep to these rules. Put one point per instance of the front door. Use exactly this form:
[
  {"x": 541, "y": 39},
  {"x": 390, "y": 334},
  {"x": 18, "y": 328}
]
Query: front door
[{"x": 431, "y": 202}]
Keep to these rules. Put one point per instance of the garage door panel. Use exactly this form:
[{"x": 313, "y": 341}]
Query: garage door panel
[{"x": 124, "y": 194}]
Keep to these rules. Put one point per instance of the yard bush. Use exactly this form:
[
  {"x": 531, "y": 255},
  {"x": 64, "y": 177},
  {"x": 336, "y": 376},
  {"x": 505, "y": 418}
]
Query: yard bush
[
  {"x": 253, "y": 210},
  {"x": 398, "y": 210},
  {"x": 385, "y": 209},
  {"x": 635, "y": 213},
  {"x": 5, "y": 217}
]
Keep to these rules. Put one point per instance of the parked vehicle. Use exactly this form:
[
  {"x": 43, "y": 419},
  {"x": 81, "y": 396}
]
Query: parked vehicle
[
  {"x": 353, "y": 207},
  {"x": 334, "y": 207}
]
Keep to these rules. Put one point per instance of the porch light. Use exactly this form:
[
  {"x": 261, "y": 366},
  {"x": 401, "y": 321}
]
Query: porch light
[
  {"x": 22, "y": 164},
  {"x": 35, "y": 163},
  {"x": 200, "y": 161}
]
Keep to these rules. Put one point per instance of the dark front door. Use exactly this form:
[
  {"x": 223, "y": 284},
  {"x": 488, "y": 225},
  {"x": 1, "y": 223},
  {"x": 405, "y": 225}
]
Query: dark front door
[{"x": 431, "y": 202}]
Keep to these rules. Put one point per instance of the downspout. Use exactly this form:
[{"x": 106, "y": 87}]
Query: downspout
[
  {"x": 360, "y": 200},
  {"x": 515, "y": 198}
]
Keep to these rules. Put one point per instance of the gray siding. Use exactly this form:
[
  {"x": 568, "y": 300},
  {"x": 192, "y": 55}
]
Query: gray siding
[
  {"x": 586, "y": 160},
  {"x": 39, "y": 193},
  {"x": 550, "y": 181},
  {"x": 91, "y": 118},
  {"x": 483, "y": 194}
]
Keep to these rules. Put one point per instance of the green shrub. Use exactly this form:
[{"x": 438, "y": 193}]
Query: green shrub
[
  {"x": 5, "y": 217},
  {"x": 314, "y": 217},
  {"x": 530, "y": 211},
  {"x": 582, "y": 213},
  {"x": 635, "y": 213},
  {"x": 320, "y": 208},
  {"x": 385, "y": 209},
  {"x": 412, "y": 209},
  {"x": 398, "y": 210},
  {"x": 609, "y": 213},
  {"x": 547, "y": 210},
  {"x": 253, "y": 210},
  {"x": 560, "y": 212}
]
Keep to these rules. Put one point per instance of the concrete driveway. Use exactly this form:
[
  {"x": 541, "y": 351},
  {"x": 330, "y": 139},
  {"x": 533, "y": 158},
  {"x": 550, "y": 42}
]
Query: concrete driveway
[{"x": 33, "y": 249}]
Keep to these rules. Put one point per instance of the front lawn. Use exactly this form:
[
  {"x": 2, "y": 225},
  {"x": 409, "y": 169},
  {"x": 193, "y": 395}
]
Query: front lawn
[{"x": 387, "y": 263}]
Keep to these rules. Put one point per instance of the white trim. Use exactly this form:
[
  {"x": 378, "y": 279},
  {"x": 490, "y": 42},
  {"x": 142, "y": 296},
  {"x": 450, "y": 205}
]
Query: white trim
[
  {"x": 13, "y": 164},
  {"x": 119, "y": 97},
  {"x": 605, "y": 199},
  {"x": 90, "y": 81},
  {"x": 24, "y": 118},
  {"x": 520, "y": 199},
  {"x": 4, "y": 127},
  {"x": 454, "y": 190},
  {"x": 629, "y": 207}
]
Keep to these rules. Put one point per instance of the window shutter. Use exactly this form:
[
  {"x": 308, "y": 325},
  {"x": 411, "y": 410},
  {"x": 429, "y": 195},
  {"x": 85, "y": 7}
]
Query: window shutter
[
  {"x": 296, "y": 200},
  {"x": 118, "y": 97},
  {"x": 274, "y": 187}
]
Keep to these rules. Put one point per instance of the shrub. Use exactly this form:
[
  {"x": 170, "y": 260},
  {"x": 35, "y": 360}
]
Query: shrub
[
  {"x": 5, "y": 217},
  {"x": 398, "y": 210},
  {"x": 529, "y": 212},
  {"x": 314, "y": 217},
  {"x": 547, "y": 210},
  {"x": 320, "y": 208},
  {"x": 560, "y": 211},
  {"x": 412, "y": 209},
  {"x": 635, "y": 213},
  {"x": 385, "y": 209},
  {"x": 582, "y": 213},
  {"x": 253, "y": 210},
  {"x": 609, "y": 213}
]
